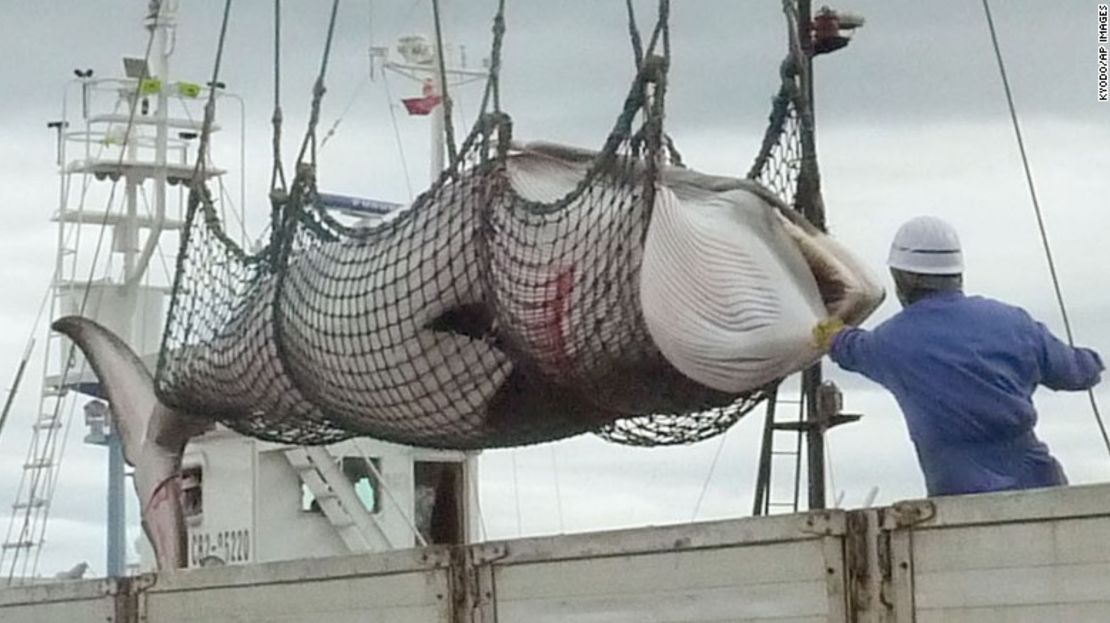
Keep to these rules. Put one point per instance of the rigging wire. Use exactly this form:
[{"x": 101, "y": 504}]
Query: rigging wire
[
  {"x": 558, "y": 490},
  {"x": 397, "y": 134},
  {"x": 346, "y": 109},
  {"x": 1040, "y": 217},
  {"x": 26, "y": 355},
  {"x": 516, "y": 494},
  {"x": 708, "y": 477}
]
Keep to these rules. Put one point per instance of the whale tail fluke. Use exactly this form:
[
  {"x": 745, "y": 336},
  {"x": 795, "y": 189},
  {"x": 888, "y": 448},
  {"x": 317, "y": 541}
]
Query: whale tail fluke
[{"x": 153, "y": 435}]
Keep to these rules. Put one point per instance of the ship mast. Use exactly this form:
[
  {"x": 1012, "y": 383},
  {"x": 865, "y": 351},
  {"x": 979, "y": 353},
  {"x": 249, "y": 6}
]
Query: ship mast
[{"x": 142, "y": 147}]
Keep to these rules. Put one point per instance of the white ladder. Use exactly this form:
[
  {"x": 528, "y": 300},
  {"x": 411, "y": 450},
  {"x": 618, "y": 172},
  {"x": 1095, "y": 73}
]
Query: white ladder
[
  {"x": 26, "y": 531},
  {"x": 336, "y": 496}
]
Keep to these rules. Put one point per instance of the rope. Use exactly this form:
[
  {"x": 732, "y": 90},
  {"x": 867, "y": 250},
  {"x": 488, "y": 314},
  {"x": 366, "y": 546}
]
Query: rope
[
  {"x": 448, "y": 124},
  {"x": 277, "y": 175},
  {"x": 493, "y": 83},
  {"x": 634, "y": 35},
  {"x": 308, "y": 146},
  {"x": 638, "y": 56},
  {"x": 210, "y": 105},
  {"x": 1040, "y": 217}
]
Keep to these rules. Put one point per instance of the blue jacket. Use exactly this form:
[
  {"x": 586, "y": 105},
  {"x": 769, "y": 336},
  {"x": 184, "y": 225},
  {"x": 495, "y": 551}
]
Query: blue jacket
[{"x": 963, "y": 370}]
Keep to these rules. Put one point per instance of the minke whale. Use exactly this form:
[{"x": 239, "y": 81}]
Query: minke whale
[{"x": 727, "y": 284}]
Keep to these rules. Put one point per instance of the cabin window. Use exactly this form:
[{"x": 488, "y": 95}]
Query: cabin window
[
  {"x": 192, "y": 491},
  {"x": 359, "y": 473},
  {"x": 438, "y": 504}
]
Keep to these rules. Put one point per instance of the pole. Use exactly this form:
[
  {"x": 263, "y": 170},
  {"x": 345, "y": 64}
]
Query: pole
[
  {"x": 161, "y": 136},
  {"x": 160, "y": 22},
  {"x": 134, "y": 267},
  {"x": 761, "y": 503},
  {"x": 117, "y": 508},
  {"x": 809, "y": 200},
  {"x": 437, "y": 130}
]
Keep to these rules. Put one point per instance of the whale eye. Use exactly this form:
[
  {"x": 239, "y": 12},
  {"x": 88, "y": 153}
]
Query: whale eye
[{"x": 473, "y": 320}]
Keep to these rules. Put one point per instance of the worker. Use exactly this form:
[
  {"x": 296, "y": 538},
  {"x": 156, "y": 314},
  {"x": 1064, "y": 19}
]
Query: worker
[{"x": 962, "y": 368}]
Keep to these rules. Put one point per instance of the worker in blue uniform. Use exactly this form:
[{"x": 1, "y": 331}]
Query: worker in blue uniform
[{"x": 962, "y": 368}]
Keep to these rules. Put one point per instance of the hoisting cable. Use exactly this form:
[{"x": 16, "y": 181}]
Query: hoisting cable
[
  {"x": 1040, "y": 218},
  {"x": 309, "y": 145},
  {"x": 448, "y": 125},
  {"x": 634, "y": 35},
  {"x": 277, "y": 174},
  {"x": 493, "y": 79},
  {"x": 210, "y": 105},
  {"x": 638, "y": 57}
]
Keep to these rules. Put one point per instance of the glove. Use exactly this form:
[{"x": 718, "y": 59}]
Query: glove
[{"x": 825, "y": 331}]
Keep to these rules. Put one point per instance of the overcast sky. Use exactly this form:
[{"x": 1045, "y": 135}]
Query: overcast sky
[{"x": 911, "y": 120}]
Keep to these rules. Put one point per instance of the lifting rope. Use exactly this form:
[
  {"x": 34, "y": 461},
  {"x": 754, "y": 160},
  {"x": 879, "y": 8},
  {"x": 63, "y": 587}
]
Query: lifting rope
[
  {"x": 1040, "y": 217},
  {"x": 308, "y": 146},
  {"x": 210, "y": 105},
  {"x": 277, "y": 175},
  {"x": 323, "y": 295}
]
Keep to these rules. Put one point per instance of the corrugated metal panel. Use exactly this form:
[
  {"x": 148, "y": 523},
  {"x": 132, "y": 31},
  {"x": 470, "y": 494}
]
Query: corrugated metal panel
[
  {"x": 71, "y": 602},
  {"x": 399, "y": 587}
]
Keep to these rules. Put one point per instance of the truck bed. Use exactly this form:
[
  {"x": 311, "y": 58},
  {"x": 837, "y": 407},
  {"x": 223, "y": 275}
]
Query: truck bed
[{"x": 1014, "y": 557}]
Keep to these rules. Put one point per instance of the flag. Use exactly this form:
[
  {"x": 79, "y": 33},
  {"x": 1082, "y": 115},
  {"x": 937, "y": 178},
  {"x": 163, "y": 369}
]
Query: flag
[{"x": 423, "y": 105}]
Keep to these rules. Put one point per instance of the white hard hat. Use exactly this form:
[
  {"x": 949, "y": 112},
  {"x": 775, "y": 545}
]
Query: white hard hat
[{"x": 928, "y": 246}]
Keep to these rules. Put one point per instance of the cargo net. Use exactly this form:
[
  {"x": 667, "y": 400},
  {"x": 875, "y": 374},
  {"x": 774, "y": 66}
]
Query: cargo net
[
  {"x": 497, "y": 310},
  {"x": 780, "y": 167}
]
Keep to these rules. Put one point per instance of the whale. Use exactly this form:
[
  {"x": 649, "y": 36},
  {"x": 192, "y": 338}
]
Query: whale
[{"x": 626, "y": 304}]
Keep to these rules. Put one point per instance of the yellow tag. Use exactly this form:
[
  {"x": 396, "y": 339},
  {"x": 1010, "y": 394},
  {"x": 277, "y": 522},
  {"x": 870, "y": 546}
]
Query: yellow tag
[
  {"x": 188, "y": 89},
  {"x": 150, "y": 86},
  {"x": 825, "y": 331}
]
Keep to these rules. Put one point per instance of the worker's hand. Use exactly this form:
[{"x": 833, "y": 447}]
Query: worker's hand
[{"x": 825, "y": 331}]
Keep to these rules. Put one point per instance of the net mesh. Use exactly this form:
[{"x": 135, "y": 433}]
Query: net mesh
[{"x": 495, "y": 311}]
